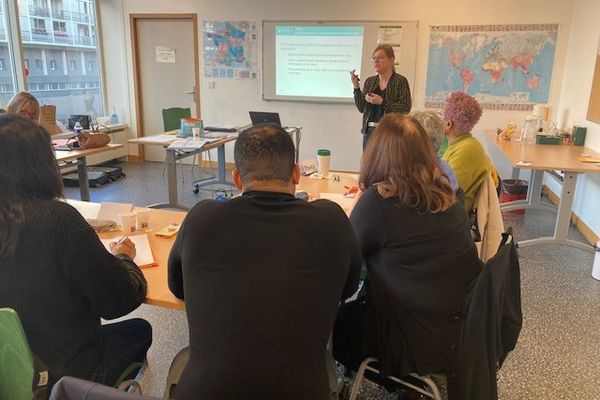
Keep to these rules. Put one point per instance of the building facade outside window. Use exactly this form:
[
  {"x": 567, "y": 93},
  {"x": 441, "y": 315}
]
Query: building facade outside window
[{"x": 60, "y": 34}]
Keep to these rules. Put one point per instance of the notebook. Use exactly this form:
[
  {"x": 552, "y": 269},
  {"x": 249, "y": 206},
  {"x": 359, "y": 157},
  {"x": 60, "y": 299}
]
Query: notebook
[{"x": 144, "y": 256}]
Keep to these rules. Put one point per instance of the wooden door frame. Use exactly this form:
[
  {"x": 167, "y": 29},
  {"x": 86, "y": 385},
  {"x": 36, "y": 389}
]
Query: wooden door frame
[{"x": 137, "y": 87}]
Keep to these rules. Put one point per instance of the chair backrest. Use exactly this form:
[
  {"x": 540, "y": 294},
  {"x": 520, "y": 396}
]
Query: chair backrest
[
  {"x": 16, "y": 362},
  {"x": 172, "y": 117},
  {"x": 68, "y": 388}
]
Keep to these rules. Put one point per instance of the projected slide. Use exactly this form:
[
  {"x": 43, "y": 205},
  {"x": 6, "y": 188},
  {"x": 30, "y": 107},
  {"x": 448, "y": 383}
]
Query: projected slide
[{"x": 314, "y": 61}]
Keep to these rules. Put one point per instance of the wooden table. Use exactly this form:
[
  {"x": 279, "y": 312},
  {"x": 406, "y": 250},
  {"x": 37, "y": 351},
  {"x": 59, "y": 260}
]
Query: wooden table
[
  {"x": 173, "y": 155},
  {"x": 64, "y": 159},
  {"x": 545, "y": 158},
  {"x": 157, "y": 276}
]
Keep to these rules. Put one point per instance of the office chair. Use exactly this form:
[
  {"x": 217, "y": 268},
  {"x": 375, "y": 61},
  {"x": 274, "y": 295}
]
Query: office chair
[
  {"x": 171, "y": 121},
  {"x": 367, "y": 365},
  {"x": 17, "y": 366}
]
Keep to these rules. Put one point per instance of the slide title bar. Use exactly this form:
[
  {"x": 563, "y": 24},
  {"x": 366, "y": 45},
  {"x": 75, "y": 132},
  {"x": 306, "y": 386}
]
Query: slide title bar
[{"x": 319, "y": 30}]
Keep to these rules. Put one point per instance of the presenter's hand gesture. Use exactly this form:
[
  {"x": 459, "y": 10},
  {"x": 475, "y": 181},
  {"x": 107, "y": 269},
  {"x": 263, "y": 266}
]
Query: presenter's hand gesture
[
  {"x": 373, "y": 98},
  {"x": 355, "y": 79},
  {"x": 123, "y": 246}
]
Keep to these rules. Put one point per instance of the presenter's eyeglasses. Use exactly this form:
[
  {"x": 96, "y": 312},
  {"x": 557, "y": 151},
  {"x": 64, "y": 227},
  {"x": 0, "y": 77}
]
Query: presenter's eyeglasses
[{"x": 378, "y": 58}]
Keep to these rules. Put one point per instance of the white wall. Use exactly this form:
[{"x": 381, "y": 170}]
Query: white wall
[
  {"x": 574, "y": 98},
  {"x": 331, "y": 126}
]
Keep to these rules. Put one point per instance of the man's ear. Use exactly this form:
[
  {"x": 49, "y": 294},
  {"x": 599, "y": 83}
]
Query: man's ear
[
  {"x": 296, "y": 174},
  {"x": 236, "y": 178}
]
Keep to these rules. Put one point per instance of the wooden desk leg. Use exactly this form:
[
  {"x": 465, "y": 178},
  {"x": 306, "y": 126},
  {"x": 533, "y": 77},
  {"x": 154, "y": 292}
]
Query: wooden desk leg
[{"x": 84, "y": 185}]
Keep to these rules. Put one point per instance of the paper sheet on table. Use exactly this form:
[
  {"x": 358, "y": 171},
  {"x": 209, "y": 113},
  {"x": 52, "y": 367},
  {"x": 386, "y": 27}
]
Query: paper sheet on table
[
  {"x": 144, "y": 256},
  {"x": 340, "y": 200},
  {"x": 111, "y": 211},
  {"x": 158, "y": 139}
]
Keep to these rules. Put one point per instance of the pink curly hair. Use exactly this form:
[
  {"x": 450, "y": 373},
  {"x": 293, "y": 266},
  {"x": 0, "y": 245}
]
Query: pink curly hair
[{"x": 463, "y": 110}]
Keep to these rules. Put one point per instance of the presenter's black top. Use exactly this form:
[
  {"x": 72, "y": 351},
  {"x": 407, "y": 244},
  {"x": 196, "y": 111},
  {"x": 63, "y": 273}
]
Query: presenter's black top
[
  {"x": 262, "y": 276},
  {"x": 396, "y": 98},
  {"x": 61, "y": 281}
]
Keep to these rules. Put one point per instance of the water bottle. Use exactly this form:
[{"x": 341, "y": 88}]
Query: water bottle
[
  {"x": 77, "y": 128},
  {"x": 114, "y": 118}
]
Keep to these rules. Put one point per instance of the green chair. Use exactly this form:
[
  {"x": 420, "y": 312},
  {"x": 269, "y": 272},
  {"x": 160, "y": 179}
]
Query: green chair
[
  {"x": 171, "y": 121},
  {"x": 19, "y": 378},
  {"x": 172, "y": 117}
]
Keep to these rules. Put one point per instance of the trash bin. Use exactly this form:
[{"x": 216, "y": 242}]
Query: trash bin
[{"x": 513, "y": 189}]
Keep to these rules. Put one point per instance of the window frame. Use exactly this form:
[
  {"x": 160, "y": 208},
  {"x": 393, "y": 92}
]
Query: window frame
[{"x": 17, "y": 53}]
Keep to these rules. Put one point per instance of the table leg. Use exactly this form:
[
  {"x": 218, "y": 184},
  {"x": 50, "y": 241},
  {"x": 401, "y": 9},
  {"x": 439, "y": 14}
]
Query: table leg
[
  {"x": 221, "y": 172},
  {"x": 515, "y": 173},
  {"x": 563, "y": 218},
  {"x": 84, "y": 185},
  {"x": 171, "y": 183}
]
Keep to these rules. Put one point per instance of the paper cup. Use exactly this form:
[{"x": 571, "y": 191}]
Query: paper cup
[
  {"x": 127, "y": 222},
  {"x": 196, "y": 132},
  {"x": 142, "y": 219}
]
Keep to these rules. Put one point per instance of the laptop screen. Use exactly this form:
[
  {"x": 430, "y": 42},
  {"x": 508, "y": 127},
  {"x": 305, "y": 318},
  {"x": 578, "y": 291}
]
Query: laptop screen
[{"x": 259, "y": 117}]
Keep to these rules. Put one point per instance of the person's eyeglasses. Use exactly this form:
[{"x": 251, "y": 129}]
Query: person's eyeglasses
[{"x": 378, "y": 58}]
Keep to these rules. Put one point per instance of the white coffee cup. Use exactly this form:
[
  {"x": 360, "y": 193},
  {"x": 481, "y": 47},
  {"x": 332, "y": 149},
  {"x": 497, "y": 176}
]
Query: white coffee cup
[
  {"x": 142, "y": 219},
  {"x": 323, "y": 157},
  {"x": 196, "y": 132},
  {"x": 127, "y": 222}
]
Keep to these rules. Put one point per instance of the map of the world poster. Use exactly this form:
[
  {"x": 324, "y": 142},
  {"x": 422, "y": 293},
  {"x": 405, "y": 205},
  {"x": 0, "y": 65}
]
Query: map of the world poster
[{"x": 505, "y": 67}]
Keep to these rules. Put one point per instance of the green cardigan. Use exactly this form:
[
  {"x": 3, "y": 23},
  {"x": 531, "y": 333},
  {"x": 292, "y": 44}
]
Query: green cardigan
[{"x": 471, "y": 165}]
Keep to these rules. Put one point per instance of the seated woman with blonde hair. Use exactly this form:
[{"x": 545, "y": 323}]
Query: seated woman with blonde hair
[
  {"x": 421, "y": 262},
  {"x": 26, "y": 105}
]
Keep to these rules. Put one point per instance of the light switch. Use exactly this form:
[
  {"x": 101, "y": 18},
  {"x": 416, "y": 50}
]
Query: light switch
[{"x": 211, "y": 84}]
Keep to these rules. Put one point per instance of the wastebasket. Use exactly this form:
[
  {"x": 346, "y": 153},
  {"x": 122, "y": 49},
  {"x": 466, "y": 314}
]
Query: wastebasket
[{"x": 513, "y": 189}]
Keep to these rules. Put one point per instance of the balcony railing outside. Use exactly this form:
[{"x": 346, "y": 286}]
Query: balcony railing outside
[
  {"x": 39, "y": 11},
  {"x": 60, "y": 14},
  {"x": 75, "y": 16}
]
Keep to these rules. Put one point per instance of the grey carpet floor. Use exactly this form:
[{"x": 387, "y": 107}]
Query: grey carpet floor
[{"x": 559, "y": 347}]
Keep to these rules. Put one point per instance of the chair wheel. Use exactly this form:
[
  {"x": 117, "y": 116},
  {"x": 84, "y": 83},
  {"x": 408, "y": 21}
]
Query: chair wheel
[{"x": 196, "y": 190}]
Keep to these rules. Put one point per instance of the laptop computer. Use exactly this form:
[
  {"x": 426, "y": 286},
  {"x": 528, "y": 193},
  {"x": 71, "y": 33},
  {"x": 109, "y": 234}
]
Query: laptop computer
[{"x": 260, "y": 117}]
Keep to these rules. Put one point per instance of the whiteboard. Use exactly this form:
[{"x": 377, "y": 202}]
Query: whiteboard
[{"x": 401, "y": 35}]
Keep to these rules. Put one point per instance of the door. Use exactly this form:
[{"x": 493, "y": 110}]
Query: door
[{"x": 167, "y": 71}]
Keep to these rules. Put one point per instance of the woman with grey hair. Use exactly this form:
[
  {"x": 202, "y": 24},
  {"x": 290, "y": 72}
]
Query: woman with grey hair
[{"x": 434, "y": 127}]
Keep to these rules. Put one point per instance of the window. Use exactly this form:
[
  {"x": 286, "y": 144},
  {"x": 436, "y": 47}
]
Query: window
[
  {"x": 38, "y": 64},
  {"x": 65, "y": 42}
]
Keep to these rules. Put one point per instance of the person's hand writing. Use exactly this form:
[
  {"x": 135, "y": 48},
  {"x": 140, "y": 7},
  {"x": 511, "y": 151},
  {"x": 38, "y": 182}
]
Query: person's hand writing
[
  {"x": 373, "y": 98},
  {"x": 355, "y": 79},
  {"x": 123, "y": 246}
]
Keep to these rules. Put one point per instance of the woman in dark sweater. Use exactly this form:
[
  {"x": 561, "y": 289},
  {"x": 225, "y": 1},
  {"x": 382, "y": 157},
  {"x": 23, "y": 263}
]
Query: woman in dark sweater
[
  {"x": 56, "y": 273},
  {"x": 421, "y": 261},
  {"x": 383, "y": 93}
]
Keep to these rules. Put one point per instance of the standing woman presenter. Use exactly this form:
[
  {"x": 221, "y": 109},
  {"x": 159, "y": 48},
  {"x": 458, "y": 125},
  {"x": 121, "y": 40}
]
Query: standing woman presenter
[{"x": 383, "y": 93}]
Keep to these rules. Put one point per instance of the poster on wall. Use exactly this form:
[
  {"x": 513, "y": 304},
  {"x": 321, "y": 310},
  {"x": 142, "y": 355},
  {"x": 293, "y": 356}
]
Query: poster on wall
[
  {"x": 230, "y": 49},
  {"x": 391, "y": 36},
  {"x": 505, "y": 67}
]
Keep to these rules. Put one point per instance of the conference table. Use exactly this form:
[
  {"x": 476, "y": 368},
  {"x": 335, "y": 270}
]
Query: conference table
[
  {"x": 65, "y": 158},
  {"x": 157, "y": 276},
  {"x": 540, "y": 158},
  {"x": 173, "y": 155}
]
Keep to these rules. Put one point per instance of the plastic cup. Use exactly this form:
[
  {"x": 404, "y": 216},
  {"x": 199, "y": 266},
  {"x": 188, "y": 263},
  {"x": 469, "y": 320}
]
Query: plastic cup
[
  {"x": 142, "y": 220},
  {"x": 127, "y": 222},
  {"x": 323, "y": 158}
]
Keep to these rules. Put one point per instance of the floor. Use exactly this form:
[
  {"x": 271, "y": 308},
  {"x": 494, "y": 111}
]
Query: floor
[{"x": 559, "y": 347}]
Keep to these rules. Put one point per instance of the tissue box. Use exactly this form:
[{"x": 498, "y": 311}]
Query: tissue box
[{"x": 543, "y": 139}]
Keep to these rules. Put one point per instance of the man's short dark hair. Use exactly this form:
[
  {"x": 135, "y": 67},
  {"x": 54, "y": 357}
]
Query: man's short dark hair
[{"x": 264, "y": 152}]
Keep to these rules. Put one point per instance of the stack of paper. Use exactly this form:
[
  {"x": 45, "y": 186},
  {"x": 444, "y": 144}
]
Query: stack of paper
[{"x": 190, "y": 144}]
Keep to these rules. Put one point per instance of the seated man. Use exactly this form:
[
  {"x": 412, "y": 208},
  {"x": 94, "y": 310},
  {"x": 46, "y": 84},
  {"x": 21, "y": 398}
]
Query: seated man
[{"x": 262, "y": 276}]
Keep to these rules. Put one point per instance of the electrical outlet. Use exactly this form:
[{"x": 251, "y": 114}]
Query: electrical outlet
[{"x": 211, "y": 84}]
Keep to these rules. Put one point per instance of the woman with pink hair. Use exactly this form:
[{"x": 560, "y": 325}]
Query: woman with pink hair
[{"x": 465, "y": 154}]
